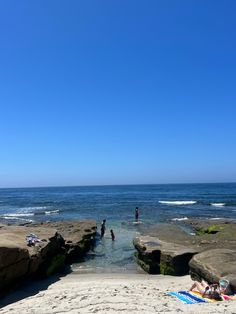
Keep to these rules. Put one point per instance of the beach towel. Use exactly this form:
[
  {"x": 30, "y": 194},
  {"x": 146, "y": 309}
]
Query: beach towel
[
  {"x": 190, "y": 297},
  {"x": 32, "y": 239}
]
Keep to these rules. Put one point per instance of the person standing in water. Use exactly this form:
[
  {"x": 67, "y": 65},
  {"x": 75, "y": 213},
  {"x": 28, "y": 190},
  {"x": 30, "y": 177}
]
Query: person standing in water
[
  {"x": 136, "y": 213},
  {"x": 112, "y": 235},
  {"x": 103, "y": 228}
]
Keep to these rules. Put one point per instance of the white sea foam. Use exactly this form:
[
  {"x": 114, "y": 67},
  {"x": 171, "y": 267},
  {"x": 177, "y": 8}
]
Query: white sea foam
[
  {"x": 9, "y": 217},
  {"x": 180, "y": 219},
  {"x": 215, "y": 218},
  {"x": 18, "y": 215},
  {"x": 32, "y": 208},
  {"x": 52, "y": 212},
  {"x": 218, "y": 204},
  {"x": 178, "y": 202}
]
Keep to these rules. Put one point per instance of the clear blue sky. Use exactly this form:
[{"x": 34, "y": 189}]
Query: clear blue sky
[{"x": 116, "y": 92}]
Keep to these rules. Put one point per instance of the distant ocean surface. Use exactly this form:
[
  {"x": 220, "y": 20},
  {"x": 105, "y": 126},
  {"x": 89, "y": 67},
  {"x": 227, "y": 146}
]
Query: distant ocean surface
[{"x": 116, "y": 204}]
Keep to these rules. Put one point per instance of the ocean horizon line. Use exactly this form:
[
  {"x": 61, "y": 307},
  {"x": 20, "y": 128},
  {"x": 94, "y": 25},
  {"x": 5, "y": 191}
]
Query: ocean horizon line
[{"x": 114, "y": 185}]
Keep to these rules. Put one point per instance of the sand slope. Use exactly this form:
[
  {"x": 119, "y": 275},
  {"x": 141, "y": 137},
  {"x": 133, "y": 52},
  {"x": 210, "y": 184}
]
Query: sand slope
[{"x": 110, "y": 293}]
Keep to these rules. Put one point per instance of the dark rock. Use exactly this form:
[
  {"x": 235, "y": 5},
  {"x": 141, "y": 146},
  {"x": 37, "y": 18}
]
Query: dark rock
[
  {"x": 19, "y": 261},
  {"x": 148, "y": 254},
  {"x": 215, "y": 264},
  {"x": 156, "y": 256},
  {"x": 79, "y": 237},
  {"x": 14, "y": 263},
  {"x": 56, "y": 264}
]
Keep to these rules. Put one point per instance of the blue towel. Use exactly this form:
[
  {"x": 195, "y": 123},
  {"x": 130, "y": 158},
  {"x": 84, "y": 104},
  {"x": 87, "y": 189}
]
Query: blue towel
[{"x": 186, "y": 297}]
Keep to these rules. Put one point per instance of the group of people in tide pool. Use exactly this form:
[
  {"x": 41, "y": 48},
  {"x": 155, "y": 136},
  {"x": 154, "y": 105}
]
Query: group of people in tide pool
[
  {"x": 103, "y": 230},
  {"x": 217, "y": 291},
  {"x": 103, "y": 225}
]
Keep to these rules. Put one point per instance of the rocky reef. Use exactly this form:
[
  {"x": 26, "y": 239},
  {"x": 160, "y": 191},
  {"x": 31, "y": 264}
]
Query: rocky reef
[
  {"x": 209, "y": 252},
  {"x": 60, "y": 243}
]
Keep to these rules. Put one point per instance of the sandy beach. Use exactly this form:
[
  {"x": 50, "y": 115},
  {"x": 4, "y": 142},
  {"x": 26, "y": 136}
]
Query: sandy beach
[{"x": 107, "y": 293}]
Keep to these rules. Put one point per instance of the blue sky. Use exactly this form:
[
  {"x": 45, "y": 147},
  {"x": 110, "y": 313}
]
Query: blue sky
[{"x": 117, "y": 92}]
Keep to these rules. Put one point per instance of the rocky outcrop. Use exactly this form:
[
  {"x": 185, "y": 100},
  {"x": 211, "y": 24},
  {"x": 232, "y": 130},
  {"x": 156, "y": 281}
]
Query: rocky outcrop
[
  {"x": 213, "y": 265},
  {"x": 159, "y": 257},
  {"x": 218, "y": 257},
  {"x": 78, "y": 237},
  {"x": 14, "y": 264},
  {"x": 61, "y": 243},
  {"x": 169, "y": 257},
  {"x": 17, "y": 260},
  {"x": 209, "y": 254}
]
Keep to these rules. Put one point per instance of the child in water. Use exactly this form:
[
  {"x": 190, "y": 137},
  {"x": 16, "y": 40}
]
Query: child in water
[{"x": 112, "y": 235}]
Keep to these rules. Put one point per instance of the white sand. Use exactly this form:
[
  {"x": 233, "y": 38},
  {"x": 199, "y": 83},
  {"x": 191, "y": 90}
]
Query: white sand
[{"x": 110, "y": 293}]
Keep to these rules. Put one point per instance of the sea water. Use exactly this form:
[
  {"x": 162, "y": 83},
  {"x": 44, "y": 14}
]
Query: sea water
[{"x": 156, "y": 203}]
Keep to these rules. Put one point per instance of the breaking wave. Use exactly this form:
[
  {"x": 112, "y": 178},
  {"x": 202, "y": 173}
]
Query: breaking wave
[
  {"x": 216, "y": 218},
  {"x": 10, "y": 217},
  {"x": 178, "y": 202},
  {"x": 18, "y": 215},
  {"x": 34, "y": 208},
  {"x": 22, "y": 215},
  {"x": 49, "y": 212},
  {"x": 180, "y": 219},
  {"x": 218, "y": 204}
]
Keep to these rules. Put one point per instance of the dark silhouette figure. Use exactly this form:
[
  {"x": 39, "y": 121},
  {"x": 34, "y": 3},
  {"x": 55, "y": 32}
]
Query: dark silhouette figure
[
  {"x": 136, "y": 213},
  {"x": 103, "y": 228},
  {"x": 112, "y": 235}
]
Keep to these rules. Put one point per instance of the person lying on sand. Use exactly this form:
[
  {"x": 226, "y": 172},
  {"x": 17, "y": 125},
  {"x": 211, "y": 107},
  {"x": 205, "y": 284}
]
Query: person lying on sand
[{"x": 213, "y": 291}]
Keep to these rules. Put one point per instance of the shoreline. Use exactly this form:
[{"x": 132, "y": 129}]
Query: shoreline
[{"x": 107, "y": 293}]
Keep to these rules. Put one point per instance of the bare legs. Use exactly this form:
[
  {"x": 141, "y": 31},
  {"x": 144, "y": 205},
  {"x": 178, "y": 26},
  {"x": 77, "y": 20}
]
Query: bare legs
[{"x": 199, "y": 286}]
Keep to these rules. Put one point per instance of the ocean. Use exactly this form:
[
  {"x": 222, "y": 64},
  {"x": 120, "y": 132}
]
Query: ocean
[{"x": 157, "y": 204}]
